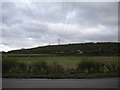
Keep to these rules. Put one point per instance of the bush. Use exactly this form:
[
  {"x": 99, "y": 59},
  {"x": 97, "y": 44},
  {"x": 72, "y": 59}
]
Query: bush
[
  {"x": 112, "y": 67},
  {"x": 8, "y": 64},
  {"x": 89, "y": 66},
  {"x": 55, "y": 68},
  {"x": 39, "y": 67},
  {"x": 70, "y": 70},
  {"x": 22, "y": 67},
  {"x": 86, "y": 66},
  {"x": 99, "y": 67},
  {"x": 30, "y": 68}
]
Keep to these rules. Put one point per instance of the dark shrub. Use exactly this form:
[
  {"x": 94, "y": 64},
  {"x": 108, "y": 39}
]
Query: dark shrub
[
  {"x": 39, "y": 67},
  {"x": 70, "y": 70},
  {"x": 90, "y": 66},
  {"x": 55, "y": 68},
  {"x": 112, "y": 67},
  {"x": 22, "y": 67},
  {"x": 30, "y": 68},
  {"x": 8, "y": 64},
  {"x": 99, "y": 67},
  {"x": 85, "y": 66}
]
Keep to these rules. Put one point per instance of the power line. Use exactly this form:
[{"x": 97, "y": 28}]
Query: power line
[
  {"x": 45, "y": 13},
  {"x": 65, "y": 14},
  {"x": 62, "y": 10},
  {"x": 65, "y": 21},
  {"x": 73, "y": 6},
  {"x": 42, "y": 14},
  {"x": 71, "y": 12},
  {"x": 31, "y": 12},
  {"x": 64, "y": 17}
]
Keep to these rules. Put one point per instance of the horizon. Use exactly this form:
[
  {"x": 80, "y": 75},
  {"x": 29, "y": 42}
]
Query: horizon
[{"x": 58, "y": 45}]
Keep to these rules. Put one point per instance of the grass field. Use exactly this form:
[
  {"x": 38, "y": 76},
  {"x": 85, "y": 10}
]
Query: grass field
[{"x": 65, "y": 61}]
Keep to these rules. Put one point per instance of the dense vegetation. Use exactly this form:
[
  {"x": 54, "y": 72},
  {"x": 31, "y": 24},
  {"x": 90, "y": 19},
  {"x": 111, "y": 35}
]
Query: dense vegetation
[
  {"x": 91, "y": 49},
  {"x": 63, "y": 61},
  {"x": 85, "y": 67}
]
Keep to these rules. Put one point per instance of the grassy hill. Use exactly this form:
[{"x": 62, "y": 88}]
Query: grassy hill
[
  {"x": 82, "y": 60},
  {"x": 90, "y": 49}
]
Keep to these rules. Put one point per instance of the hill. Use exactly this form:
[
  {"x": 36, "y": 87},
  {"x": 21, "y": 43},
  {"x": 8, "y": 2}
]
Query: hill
[{"x": 93, "y": 49}]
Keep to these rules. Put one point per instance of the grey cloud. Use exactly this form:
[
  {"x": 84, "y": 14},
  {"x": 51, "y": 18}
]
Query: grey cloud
[
  {"x": 96, "y": 13},
  {"x": 43, "y": 23}
]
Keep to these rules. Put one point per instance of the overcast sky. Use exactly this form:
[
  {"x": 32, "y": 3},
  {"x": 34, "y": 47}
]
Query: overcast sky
[{"x": 27, "y": 25}]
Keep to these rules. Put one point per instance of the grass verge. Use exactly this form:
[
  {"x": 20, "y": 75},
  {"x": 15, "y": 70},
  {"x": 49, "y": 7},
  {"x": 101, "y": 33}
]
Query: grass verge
[{"x": 61, "y": 76}]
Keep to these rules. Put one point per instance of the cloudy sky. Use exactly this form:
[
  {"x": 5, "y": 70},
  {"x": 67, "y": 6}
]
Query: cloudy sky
[{"x": 31, "y": 24}]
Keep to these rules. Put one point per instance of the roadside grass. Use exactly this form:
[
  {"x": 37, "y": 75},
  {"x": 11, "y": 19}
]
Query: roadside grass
[{"x": 61, "y": 76}]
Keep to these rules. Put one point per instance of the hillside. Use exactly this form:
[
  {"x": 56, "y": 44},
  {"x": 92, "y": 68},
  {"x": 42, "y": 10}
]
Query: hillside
[{"x": 97, "y": 49}]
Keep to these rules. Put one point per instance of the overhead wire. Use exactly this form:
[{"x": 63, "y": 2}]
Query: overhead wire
[
  {"x": 65, "y": 8},
  {"x": 62, "y": 19},
  {"x": 35, "y": 20},
  {"x": 67, "y": 21},
  {"x": 71, "y": 12},
  {"x": 62, "y": 10},
  {"x": 46, "y": 14},
  {"x": 44, "y": 6},
  {"x": 64, "y": 14},
  {"x": 70, "y": 15},
  {"x": 42, "y": 14}
]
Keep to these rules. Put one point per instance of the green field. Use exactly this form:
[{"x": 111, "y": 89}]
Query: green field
[{"x": 66, "y": 61}]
